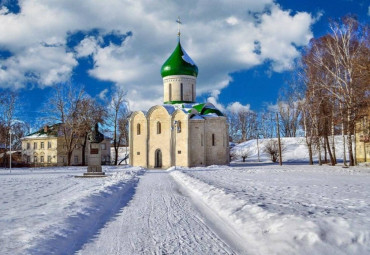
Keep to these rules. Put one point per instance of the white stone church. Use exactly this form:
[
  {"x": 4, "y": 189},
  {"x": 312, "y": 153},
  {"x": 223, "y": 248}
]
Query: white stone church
[{"x": 180, "y": 132}]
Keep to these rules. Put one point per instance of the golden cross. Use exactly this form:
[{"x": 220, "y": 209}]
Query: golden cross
[{"x": 178, "y": 26}]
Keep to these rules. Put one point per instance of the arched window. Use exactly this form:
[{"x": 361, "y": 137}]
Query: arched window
[
  {"x": 138, "y": 129},
  {"x": 159, "y": 128},
  {"x": 178, "y": 126},
  {"x": 182, "y": 92},
  {"x": 213, "y": 139},
  {"x": 169, "y": 92}
]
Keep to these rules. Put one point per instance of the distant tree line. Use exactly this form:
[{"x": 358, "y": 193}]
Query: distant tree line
[
  {"x": 324, "y": 96},
  {"x": 75, "y": 111}
]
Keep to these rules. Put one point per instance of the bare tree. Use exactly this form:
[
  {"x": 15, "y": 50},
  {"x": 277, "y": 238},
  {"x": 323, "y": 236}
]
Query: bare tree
[
  {"x": 63, "y": 107},
  {"x": 241, "y": 152},
  {"x": 242, "y": 124},
  {"x": 9, "y": 123},
  {"x": 89, "y": 113},
  {"x": 289, "y": 109},
  {"x": 271, "y": 147},
  {"x": 340, "y": 64},
  {"x": 118, "y": 111}
]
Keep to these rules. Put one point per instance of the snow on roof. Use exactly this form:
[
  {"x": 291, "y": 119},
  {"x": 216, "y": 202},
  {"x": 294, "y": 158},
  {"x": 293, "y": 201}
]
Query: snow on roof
[
  {"x": 170, "y": 108},
  {"x": 37, "y": 135},
  {"x": 196, "y": 117},
  {"x": 210, "y": 115}
]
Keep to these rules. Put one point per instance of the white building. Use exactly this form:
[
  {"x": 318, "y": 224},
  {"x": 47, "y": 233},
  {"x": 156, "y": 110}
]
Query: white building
[{"x": 181, "y": 132}]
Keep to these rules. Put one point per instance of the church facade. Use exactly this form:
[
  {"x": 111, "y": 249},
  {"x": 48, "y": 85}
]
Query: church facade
[{"x": 180, "y": 132}]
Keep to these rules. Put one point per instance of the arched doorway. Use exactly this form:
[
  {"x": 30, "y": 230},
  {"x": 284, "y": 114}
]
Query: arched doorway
[{"x": 158, "y": 158}]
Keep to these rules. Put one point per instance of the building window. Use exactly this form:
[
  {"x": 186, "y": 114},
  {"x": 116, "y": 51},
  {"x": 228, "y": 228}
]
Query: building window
[
  {"x": 28, "y": 159},
  {"x": 49, "y": 145},
  {"x": 138, "y": 153},
  {"x": 182, "y": 92},
  {"x": 76, "y": 159},
  {"x": 213, "y": 139},
  {"x": 170, "y": 92},
  {"x": 159, "y": 128},
  {"x": 35, "y": 145},
  {"x": 42, "y": 145},
  {"x": 178, "y": 126},
  {"x": 201, "y": 140},
  {"x": 103, "y": 146},
  {"x": 49, "y": 159},
  {"x": 138, "y": 129},
  {"x": 28, "y": 146},
  {"x": 178, "y": 152},
  {"x": 35, "y": 159},
  {"x": 42, "y": 159}
]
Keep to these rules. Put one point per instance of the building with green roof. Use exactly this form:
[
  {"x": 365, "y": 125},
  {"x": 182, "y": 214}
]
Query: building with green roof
[{"x": 181, "y": 132}]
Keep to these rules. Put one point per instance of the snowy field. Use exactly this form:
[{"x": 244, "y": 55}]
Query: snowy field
[
  {"x": 294, "y": 150},
  {"x": 251, "y": 208},
  {"x": 48, "y": 210}
]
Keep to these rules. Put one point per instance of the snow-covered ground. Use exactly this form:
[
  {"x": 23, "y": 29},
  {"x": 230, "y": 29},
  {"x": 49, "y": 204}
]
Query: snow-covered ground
[
  {"x": 295, "y": 150},
  {"x": 293, "y": 209},
  {"x": 48, "y": 210},
  {"x": 252, "y": 208}
]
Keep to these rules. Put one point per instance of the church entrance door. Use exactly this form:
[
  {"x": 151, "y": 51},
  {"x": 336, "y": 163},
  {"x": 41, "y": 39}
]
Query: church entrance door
[{"x": 158, "y": 158}]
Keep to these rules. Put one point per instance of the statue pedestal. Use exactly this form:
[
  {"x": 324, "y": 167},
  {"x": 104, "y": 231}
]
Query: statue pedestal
[{"x": 94, "y": 168}]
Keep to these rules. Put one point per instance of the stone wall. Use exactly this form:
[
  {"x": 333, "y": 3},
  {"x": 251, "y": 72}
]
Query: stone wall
[
  {"x": 197, "y": 145},
  {"x": 180, "y": 138},
  {"x": 138, "y": 140},
  {"x": 161, "y": 141},
  {"x": 172, "y": 88},
  {"x": 217, "y": 152}
]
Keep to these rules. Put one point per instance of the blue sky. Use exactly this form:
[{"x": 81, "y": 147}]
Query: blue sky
[{"x": 244, "y": 49}]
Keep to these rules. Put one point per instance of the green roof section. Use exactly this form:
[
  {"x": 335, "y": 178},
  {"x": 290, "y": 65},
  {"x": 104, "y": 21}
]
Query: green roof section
[{"x": 179, "y": 63}]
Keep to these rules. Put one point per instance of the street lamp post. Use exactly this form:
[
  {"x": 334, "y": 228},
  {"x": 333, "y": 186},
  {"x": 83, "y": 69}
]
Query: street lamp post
[
  {"x": 258, "y": 149},
  {"x": 10, "y": 148}
]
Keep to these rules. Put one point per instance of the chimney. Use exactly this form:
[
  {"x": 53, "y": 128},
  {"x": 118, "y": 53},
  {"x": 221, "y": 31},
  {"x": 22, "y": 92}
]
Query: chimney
[{"x": 46, "y": 128}]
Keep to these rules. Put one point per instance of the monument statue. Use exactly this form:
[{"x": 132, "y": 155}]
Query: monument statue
[
  {"x": 95, "y": 136},
  {"x": 94, "y": 168}
]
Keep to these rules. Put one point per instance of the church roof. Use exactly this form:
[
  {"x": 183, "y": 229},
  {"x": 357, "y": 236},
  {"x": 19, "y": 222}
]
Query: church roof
[
  {"x": 196, "y": 109},
  {"x": 179, "y": 63}
]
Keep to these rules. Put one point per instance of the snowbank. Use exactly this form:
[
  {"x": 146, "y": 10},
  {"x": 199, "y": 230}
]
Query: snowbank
[
  {"x": 48, "y": 210},
  {"x": 295, "y": 150},
  {"x": 256, "y": 205}
]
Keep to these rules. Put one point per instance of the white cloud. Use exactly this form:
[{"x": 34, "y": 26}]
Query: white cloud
[
  {"x": 39, "y": 64},
  {"x": 218, "y": 35},
  {"x": 87, "y": 46},
  {"x": 213, "y": 99},
  {"x": 232, "y": 20},
  {"x": 237, "y": 107},
  {"x": 103, "y": 94}
]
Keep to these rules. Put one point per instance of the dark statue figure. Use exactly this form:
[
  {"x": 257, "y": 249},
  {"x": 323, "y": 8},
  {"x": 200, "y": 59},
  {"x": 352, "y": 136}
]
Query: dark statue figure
[{"x": 95, "y": 136}]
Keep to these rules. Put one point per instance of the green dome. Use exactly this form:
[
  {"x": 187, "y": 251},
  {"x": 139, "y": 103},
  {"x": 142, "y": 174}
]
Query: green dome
[{"x": 179, "y": 63}]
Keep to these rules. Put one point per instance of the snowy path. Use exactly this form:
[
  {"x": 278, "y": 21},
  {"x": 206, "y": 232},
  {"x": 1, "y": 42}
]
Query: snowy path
[{"x": 159, "y": 219}]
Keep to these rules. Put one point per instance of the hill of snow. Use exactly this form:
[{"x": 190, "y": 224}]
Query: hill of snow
[{"x": 295, "y": 150}]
